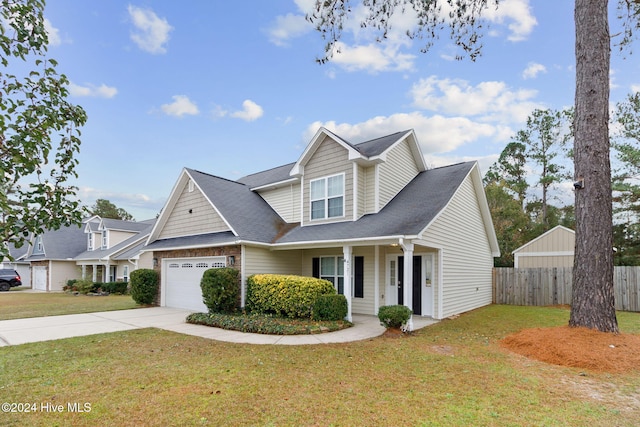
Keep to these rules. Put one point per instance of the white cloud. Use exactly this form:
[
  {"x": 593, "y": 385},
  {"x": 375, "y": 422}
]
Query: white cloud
[
  {"x": 152, "y": 32},
  {"x": 102, "y": 91},
  {"x": 372, "y": 58},
  {"x": 518, "y": 13},
  {"x": 250, "y": 111},
  {"x": 180, "y": 106},
  {"x": 288, "y": 27},
  {"x": 635, "y": 88},
  {"x": 436, "y": 134},
  {"x": 489, "y": 101},
  {"x": 532, "y": 70},
  {"x": 53, "y": 33}
]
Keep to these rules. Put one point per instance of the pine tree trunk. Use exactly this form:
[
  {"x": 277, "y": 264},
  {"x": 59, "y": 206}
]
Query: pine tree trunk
[{"x": 593, "y": 299}]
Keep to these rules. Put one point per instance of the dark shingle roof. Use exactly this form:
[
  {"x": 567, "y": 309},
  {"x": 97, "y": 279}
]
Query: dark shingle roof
[
  {"x": 249, "y": 215},
  {"x": 377, "y": 146},
  {"x": 203, "y": 240},
  {"x": 406, "y": 214},
  {"x": 62, "y": 244},
  {"x": 270, "y": 176}
]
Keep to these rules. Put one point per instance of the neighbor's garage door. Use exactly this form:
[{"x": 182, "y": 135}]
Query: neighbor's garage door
[
  {"x": 182, "y": 278},
  {"x": 40, "y": 278}
]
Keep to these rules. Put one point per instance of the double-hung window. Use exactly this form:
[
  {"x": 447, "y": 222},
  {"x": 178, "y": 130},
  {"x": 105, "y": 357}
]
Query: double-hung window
[{"x": 327, "y": 197}]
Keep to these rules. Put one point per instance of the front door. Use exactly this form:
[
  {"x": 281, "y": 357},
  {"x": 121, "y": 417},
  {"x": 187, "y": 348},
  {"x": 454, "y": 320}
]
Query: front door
[{"x": 421, "y": 283}]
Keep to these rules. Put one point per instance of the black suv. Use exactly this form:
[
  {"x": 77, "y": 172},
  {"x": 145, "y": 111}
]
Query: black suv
[{"x": 9, "y": 279}]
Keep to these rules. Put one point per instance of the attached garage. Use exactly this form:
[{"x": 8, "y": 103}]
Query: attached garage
[
  {"x": 181, "y": 278},
  {"x": 40, "y": 278}
]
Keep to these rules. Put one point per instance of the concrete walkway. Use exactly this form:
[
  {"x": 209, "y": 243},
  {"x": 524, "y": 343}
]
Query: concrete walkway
[{"x": 21, "y": 331}]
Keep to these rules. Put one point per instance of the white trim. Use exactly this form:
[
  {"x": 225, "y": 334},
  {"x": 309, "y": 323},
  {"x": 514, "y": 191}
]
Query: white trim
[
  {"x": 376, "y": 279},
  {"x": 355, "y": 186},
  {"x": 440, "y": 283},
  {"x": 274, "y": 185}
]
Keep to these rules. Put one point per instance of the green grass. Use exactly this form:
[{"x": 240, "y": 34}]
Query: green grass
[
  {"x": 453, "y": 373},
  {"x": 18, "y": 304}
]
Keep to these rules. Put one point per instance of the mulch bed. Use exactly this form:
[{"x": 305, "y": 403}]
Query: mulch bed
[{"x": 578, "y": 347}]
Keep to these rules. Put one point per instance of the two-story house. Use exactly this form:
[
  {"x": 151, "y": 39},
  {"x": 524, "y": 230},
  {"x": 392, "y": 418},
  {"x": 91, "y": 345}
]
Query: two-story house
[
  {"x": 101, "y": 249},
  {"x": 113, "y": 249},
  {"x": 370, "y": 217}
]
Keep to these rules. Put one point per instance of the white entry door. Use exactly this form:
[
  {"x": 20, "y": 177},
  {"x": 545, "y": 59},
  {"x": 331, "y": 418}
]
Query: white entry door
[
  {"x": 182, "y": 281},
  {"x": 40, "y": 278},
  {"x": 421, "y": 286}
]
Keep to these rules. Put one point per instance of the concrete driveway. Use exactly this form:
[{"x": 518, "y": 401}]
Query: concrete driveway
[{"x": 21, "y": 331}]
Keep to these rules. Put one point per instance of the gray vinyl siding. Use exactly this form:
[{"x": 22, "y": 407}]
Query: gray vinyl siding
[
  {"x": 264, "y": 261},
  {"x": 399, "y": 169},
  {"x": 467, "y": 260},
  {"x": 202, "y": 219},
  {"x": 285, "y": 201},
  {"x": 329, "y": 159}
]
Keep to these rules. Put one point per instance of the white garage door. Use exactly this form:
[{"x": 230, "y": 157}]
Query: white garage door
[
  {"x": 40, "y": 278},
  {"x": 182, "y": 278}
]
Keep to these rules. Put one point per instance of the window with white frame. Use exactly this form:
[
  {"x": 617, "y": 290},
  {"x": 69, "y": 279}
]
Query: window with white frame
[
  {"x": 105, "y": 239},
  {"x": 332, "y": 269},
  {"x": 125, "y": 273},
  {"x": 90, "y": 241},
  {"x": 327, "y": 197}
]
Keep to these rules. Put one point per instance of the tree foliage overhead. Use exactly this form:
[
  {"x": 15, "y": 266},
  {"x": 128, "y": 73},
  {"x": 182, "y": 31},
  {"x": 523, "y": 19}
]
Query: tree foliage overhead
[
  {"x": 461, "y": 18},
  {"x": 105, "y": 209},
  {"x": 39, "y": 129}
]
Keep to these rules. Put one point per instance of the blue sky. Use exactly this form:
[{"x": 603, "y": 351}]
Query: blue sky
[{"x": 232, "y": 88}]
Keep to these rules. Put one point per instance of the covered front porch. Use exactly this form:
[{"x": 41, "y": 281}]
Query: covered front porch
[{"x": 371, "y": 274}]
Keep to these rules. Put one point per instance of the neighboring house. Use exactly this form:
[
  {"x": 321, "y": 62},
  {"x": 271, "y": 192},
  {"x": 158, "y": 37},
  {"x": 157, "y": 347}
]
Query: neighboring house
[
  {"x": 19, "y": 264},
  {"x": 369, "y": 217},
  {"x": 554, "y": 248},
  {"x": 113, "y": 249},
  {"x": 102, "y": 250},
  {"x": 51, "y": 255}
]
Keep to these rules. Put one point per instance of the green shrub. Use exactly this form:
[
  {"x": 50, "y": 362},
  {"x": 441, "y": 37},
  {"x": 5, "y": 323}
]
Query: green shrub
[
  {"x": 220, "y": 289},
  {"x": 113, "y": 287},
  {"x": 330, "y": 307},
  {"x": 394, "y": 316},
  {"x": 266, "y": 324},
  {"x": 82, "y": 286},
  {"x": 288, "y": 296},
  {"x": 144, "y": 286}
]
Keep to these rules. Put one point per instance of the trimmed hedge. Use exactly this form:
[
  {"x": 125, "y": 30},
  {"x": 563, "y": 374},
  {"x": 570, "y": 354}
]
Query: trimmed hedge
[
  {"x": 394, "y": 316},
  {"x": 285, "y": 295},
  {"x": 86, "y": 286},
  {"x": 144, "y": 286},
  {"x": 220, "y": 289},
  {"x": 330, "y": 307}
]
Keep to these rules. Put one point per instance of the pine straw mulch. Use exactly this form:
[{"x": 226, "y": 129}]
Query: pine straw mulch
[{"x": 578, "y": 347}]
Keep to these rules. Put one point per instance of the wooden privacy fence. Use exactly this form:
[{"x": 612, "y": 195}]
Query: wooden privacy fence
[{"x": 552, "y": 286}]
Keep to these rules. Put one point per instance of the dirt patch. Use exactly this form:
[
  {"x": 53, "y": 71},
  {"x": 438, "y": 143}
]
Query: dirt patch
[{"x": 578, "y": 347}]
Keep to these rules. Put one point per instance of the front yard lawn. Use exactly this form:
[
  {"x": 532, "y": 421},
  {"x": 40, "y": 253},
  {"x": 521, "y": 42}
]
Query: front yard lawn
[
  {"x": 17, "y": 304},
  {"x": 454, "y": 373}
]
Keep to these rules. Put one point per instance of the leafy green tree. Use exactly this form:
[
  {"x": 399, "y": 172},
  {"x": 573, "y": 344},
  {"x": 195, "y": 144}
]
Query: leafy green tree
[
  {"x": 509, "y": 220},
  {"x": 105, "y": 209},
  {"x": 626, "y": 181},
  {"x": 544, "y": 137},
  {"x": 510, "y": 169},
  {"x": 39, "y": 130},
  {"x": 593, "y": 298}
]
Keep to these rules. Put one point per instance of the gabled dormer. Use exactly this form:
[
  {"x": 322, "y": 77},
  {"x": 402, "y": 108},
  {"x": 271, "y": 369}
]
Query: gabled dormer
[{"x": 342, "y": 182}]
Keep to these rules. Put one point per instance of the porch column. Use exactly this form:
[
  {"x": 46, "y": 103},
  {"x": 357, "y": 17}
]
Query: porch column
[
  {"x": 407, "y": 290},
  {"x": 346, "y": 254},
  {"x": 84, "y": 271},
  {"x": 94, "y": 273}
]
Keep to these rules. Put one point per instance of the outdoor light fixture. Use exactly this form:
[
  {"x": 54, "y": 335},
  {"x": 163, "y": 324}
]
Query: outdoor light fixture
[
  {"x": 232, "y": 260},
  {"x": 579, "y": 184}
]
